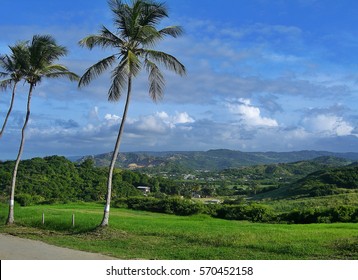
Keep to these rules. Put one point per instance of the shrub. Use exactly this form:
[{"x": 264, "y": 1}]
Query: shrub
[
  {"x": 170, "y": 205},
  {"x": 253, "y": 212},
  {"x": 25, "y": 199},
  {"x": 342, "y": 214}
]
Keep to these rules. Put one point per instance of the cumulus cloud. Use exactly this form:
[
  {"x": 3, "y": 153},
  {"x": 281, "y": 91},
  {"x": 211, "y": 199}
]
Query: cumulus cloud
[
  {"x": 327, "y": 125},
  {"x": 112, "y": 118},
  {"x": 160, "y": 122},
  {"x": 249, "y": 114}
]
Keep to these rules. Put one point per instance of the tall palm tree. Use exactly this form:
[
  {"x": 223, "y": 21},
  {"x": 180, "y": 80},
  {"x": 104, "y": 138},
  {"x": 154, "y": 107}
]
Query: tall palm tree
[
  {"x": 41, "y": 53},
  {"x": 135, "y": 34},
  {"x": 13, "y": 66}
]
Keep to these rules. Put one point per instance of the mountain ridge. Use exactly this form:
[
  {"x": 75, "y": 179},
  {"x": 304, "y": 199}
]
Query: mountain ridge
[{"x": 216, "y": 159}]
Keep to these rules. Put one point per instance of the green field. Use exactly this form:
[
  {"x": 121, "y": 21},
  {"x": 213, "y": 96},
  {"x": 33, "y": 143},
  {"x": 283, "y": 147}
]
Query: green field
[{"x": 145, "y": 235}]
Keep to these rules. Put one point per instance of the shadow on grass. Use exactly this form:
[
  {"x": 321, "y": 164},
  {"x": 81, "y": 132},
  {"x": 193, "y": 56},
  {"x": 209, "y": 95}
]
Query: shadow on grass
[{"x": 42, "y": 231}]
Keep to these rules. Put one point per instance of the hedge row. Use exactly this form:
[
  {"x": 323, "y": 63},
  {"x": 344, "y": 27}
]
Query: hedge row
[
  {"x": 341, "y": 214},
  {"x": 170, "y": 205},
  {"x": 250, "y": 212}
]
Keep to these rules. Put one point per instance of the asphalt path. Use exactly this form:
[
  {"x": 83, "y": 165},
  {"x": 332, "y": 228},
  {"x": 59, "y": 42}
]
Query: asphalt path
[{"x": 16, "y": 248}]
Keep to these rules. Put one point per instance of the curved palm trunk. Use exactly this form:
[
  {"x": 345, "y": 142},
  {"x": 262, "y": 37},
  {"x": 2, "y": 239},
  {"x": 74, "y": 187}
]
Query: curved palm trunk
[
  {"x": 114, "y": 157},
  {"x": 10, "y": 219},
  {"x": 10, "y": 109}
]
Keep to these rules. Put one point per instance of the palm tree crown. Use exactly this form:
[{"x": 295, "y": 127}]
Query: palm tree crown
[
  {"x": 43, "y": 52},
  {"x": 13, "y": 65},
  {"x": 136, "y": 31}
]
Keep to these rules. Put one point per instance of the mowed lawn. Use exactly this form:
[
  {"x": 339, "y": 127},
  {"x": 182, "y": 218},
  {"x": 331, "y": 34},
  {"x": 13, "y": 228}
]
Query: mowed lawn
[{"x": 145, "y": 235}]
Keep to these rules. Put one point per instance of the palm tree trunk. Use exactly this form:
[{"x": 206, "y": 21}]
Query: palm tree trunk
[
  {"x": 114, "y": 157},
  {"x": 10, "y": 219},
  {"x": 10, "y": 109}
]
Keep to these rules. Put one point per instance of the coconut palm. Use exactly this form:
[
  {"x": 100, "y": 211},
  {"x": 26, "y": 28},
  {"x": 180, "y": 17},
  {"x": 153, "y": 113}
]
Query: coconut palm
[
  {"x": 41, "y": 54},
  {"x": 135, "y": 35},
  {"x": 13, "y": 66}
]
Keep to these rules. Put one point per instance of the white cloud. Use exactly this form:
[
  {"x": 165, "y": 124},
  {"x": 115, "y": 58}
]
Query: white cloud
[
  {"x": 112, "y": 119},
  {"x": 160, "y": 121},
  {"x": 93, "y": 114},
  {"x": 249, "y": 114},
  {"x": 327, "y": 125}
]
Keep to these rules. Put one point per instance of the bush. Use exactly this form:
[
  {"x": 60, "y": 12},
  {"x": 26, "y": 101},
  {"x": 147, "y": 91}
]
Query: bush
[
  {"x": 344, "y": 214},
  {"x": 170, "y": 205},
  {"x": 27, "y": 199},
  {"x": 341, "y": 214},
  {"x": 120, "y": 203},
  {"x": 253, "y": 212}
]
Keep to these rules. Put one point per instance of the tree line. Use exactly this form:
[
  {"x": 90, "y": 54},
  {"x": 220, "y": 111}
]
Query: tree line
[{"x": 55, "y": 179}]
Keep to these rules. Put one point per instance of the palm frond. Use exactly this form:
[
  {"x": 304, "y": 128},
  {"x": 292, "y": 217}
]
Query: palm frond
[
  {"x": 119, "y": 80},
  {"x": 5, "y": 84},
  {"x": 95, "y": 70},
  {"x": 7, "y": 64},
  {"x": 169, "y": 61},
  {"x": 156, "y": 81},
  {"x": 66, "y": 74},
  {"x": 56, "y": 71},
  {"x": 174, "y": 31},
  {"x": 3, "y": 74},
  {"x": 152, "y": 13},
  {"x": 105, "y": 39},
  {"x": 148, "y": 36},
  {"x": 133, "y": 64}
]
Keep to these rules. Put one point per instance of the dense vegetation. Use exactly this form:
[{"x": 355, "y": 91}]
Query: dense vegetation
[
  {"x": 51, "y": 179},
  {"x": 276, "y": 193}
]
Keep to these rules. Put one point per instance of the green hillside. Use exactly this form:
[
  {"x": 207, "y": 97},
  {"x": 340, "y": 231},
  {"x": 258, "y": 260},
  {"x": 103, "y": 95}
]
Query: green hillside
[{"x": 324, "y": 182}]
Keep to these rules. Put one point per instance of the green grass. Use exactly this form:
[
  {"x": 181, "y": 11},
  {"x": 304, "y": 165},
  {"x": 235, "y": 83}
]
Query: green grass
[{"x": 145, "y": 235}]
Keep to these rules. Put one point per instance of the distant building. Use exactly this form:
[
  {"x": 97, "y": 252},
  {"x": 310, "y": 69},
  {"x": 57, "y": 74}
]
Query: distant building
[
  {"x": 145, "y": 190},
  {"x": 195, "y": 195},
  {"x": 213, "y": 201}
]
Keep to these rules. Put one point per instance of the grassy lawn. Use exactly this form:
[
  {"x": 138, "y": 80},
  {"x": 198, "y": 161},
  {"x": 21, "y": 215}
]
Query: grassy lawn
[{"x": 145, "y": 235}]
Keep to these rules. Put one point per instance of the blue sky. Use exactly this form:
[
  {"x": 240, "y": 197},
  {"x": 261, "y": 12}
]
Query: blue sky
[{"x": 263, "y": 75}]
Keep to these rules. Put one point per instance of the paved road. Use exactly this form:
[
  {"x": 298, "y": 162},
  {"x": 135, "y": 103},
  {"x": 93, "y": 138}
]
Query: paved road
[{"x": 15, "y": 248}]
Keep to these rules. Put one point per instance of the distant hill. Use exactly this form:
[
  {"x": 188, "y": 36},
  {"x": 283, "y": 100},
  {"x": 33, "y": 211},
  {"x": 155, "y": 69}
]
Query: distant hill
[
  {"x": 211, "y": 160},
  {"x": 289, "y": 170},
  {"x": 325, "y": 181}
]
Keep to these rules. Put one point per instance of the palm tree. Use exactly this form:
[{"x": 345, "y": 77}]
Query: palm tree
[
  {"x": 135, "y": 34},
  {"x": 41, "y": 53},
  {"x": 14, "y": 66}
]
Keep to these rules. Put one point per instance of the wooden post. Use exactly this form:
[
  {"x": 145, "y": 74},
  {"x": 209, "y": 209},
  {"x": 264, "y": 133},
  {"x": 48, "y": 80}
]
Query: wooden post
[
  {"x": 73, "y": 220},
  {"x": 43, "y": 218}
]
